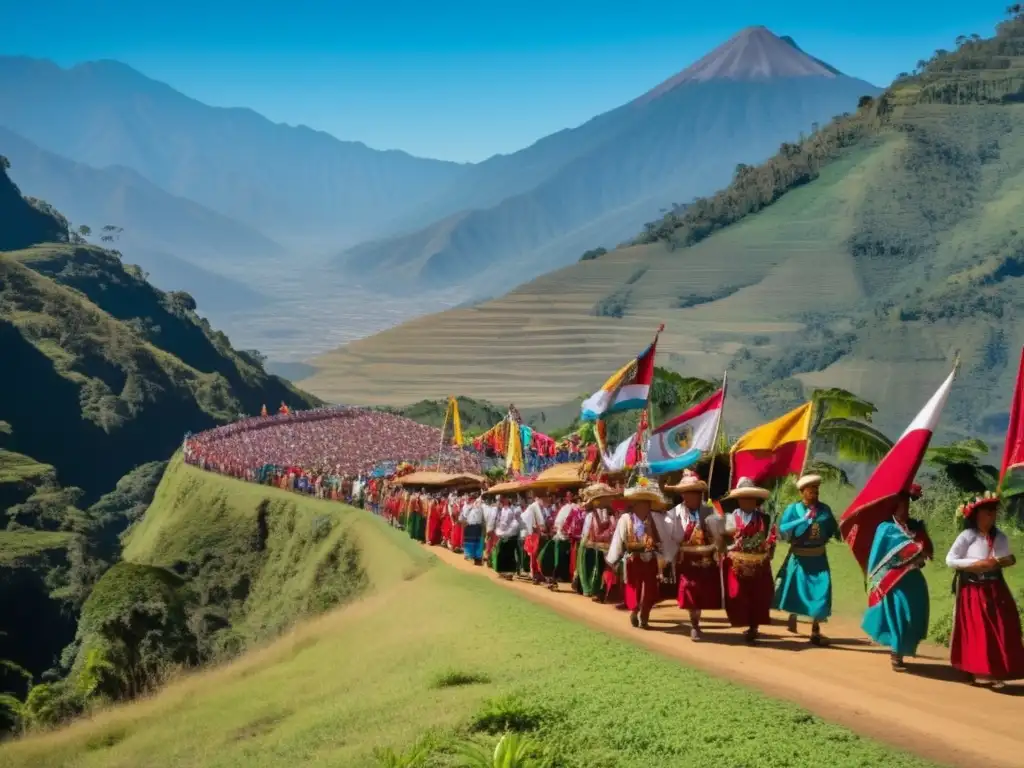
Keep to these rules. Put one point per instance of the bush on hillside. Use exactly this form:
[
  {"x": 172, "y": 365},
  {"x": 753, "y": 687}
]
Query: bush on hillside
[
  {"x": 613, "y": 305},
  {"x": 134, "y": 631}
]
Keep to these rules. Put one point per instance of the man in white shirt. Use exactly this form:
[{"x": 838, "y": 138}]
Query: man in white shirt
[
  {"x": 557, "y": 561},
  {"x": 637, "y": 540},
  {"x": 506, "y": 532},
  {"x": 534, "y": 531},
  {"x": 472, "y": 519}
]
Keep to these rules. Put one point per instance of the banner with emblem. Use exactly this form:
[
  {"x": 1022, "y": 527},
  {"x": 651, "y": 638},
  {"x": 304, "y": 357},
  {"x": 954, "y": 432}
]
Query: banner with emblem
[{"x": 680, "y": 442}]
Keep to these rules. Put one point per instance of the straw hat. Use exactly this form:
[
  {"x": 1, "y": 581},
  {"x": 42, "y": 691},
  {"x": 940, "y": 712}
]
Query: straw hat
[
  {"x": 645, "y": 490},
  {"x": 690, "y": 481},
  {"x": 597, "y": 491},
  {"x": 808, "y": 480},
  {"x": 747, "y": 489}
]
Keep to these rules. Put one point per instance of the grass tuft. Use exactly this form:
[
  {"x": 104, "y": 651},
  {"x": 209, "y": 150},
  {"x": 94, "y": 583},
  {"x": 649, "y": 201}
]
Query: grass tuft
[{"x": 455, "y": 679}]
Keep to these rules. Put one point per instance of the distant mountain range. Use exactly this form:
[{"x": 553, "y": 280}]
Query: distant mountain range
[
  {"x": 292, "y": 183},
  {"x": 520, "y": 215},
  {"x": 209, "y": 197}
]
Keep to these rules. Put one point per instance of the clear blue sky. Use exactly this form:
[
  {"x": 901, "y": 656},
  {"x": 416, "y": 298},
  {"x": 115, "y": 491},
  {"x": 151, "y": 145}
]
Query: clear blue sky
[{"x": 460, "y": 80}]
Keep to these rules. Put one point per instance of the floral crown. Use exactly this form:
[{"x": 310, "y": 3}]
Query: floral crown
[{"x": 969, "y": 508}]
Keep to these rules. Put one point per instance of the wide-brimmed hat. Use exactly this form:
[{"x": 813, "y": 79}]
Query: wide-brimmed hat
[
  {"x": 690, "y": 481},
  {"x": 808, "y": 480},
  {"x": 599, "y": 491},
  {"x": 988, "y": 499},
  {"x": 644, "y": 490},
  {"x": 748, "y": 489}
]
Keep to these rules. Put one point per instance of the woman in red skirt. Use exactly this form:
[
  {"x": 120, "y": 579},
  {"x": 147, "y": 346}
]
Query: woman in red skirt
[
  {"x": 695, "y": 530},
  {"x": 986, "y": 641},
  {"x": 748, "y": 566}
]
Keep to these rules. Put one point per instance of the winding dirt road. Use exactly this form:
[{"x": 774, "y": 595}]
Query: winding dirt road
[{"x": 929, "y": 710}]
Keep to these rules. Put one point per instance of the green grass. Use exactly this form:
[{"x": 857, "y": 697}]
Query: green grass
[
  {"x": 18, "y": 468},
  {"x": 305, "y": 558},
  {"x": 368, "y": 676},
  {"x": 17, "y": 546}
]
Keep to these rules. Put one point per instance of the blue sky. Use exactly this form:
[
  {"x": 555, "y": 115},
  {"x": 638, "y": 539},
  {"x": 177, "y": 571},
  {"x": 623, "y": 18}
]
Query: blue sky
[{"x": 460, "y": 80}]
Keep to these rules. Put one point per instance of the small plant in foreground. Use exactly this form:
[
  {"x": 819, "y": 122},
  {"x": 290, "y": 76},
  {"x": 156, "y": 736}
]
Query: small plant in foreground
[
  {"x": 512, "y": 751},
  {"x": 508, "y": 713}
]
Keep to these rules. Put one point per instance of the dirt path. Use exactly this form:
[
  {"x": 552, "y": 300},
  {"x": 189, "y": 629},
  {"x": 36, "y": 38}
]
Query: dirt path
[{"x": 927, "y": 711}]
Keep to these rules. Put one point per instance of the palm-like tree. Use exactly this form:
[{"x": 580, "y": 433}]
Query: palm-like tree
[
  {"x": 841, "y": 428},
  {"x": 960, "y": 463}
]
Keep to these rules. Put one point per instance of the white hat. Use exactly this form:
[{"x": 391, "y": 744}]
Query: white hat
[
  {"x": 598, "y": 491},
  {"x": 644, "y": 490},
  {"x": 747, "y": 489},
  {"x": 807, "y": 480},
  {"x": 690, "y": 481}
]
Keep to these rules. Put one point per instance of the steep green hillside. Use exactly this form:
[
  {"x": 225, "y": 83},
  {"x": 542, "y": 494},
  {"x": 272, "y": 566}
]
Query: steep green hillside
[
  {"x": 863, "y": 257},
  {"x": 117, "y": 368},
  {"x": 102, "y": 376}
]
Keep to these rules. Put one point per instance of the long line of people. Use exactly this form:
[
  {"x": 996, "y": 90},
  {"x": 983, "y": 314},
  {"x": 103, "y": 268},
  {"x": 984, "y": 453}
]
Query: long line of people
[{"x": 632, "y": 548}]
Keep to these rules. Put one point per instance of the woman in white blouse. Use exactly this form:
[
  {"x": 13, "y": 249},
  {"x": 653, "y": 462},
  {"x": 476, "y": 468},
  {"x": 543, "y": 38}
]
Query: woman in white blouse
[{"x": 986, "y": 641}]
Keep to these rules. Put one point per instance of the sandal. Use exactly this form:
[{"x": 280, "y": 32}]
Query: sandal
[
  {"x": 634, "y": 620},
  {"x": 897, "y": 663}
]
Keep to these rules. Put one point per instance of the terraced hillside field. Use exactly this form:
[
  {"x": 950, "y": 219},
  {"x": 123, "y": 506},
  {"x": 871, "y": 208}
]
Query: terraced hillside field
[{"x": 904, "y": 248}]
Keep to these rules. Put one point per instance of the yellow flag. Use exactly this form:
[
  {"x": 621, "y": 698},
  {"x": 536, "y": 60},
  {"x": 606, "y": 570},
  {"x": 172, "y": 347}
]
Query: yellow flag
[
  {"x": 514, "y": 450},
  {"x": 794, "y": 427},
  {"x": 456, "y": 421}
]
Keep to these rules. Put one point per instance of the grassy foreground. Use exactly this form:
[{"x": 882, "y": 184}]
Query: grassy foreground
[{"x": 377, "y": 673}]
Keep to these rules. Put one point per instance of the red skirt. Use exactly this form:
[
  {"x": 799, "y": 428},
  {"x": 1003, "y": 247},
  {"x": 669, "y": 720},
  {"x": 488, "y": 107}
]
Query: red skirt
[
  {"x": 987, "y": 636},
  {"x": 700, "y": 588},
  {"x": 749, "y": 598},
  {"x": 434, "y": 530},
  {"x": 457, "y": 536}
]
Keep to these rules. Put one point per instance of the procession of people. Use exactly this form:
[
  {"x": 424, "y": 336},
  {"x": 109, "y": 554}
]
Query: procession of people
[{"x": 633, "y": 547}]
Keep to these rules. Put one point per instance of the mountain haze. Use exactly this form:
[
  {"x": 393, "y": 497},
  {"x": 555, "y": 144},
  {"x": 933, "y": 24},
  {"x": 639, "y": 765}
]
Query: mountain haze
[
  {"x": 289, "y": 182},
  {"x": 603, "y": 180}
]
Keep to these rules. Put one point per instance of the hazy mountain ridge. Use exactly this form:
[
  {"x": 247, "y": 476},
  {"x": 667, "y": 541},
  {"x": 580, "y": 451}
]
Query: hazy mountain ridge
[
  {"x": 276, "y": 178},
  {"x": 681, "y": 139}
]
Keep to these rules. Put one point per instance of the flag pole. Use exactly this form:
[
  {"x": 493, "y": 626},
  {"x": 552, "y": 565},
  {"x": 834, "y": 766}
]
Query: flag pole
[
  {"x": 444, "y": 426},
  {"x": 645, "y": 417},
  {"x": 718, "y": 432}
]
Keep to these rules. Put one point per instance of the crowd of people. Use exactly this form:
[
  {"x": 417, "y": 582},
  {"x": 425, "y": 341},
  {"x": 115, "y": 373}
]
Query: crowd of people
[
  {"x": 631, "y": 547},
  {"x": 337, "y": 444}
]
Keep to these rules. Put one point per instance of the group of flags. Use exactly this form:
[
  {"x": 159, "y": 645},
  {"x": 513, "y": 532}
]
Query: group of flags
[{"x": 779, "y": 448}]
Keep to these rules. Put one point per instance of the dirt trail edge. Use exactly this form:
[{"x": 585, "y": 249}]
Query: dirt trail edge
[{"x": 928, "y": 711}]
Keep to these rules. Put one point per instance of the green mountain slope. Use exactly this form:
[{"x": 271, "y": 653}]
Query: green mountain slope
[
  {"x": 103, "y": 374},
  {"x": 597, "y": 183},
  {"x": 863, "y": 257}
]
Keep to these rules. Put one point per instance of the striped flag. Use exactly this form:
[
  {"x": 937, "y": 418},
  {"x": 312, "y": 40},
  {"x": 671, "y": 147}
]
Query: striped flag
[
  {"x": 680, "y": 442},
  {"x": 626, "y": 390}
]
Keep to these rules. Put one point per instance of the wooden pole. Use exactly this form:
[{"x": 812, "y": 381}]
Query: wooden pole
[
  {"x": 444, "y": 426},
  {"x": 718, "y": 431}
]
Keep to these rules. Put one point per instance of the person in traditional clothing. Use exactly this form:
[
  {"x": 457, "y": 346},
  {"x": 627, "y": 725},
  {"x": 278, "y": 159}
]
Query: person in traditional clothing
[
  {"x": 472, "y": 520},
  {"x": 557, "y": 565},
  {"x": 636, "y": 541},
  {"x": 457, "y": 535},
  {"x": 506, "y": 538},
  {"x": 897, "y": 614},
  {"x": 986, "y": 641},
  {"x": 696, "y": 534},
  {"x": 534, "y": 533},
  {"x": 490, "y": 515},
  {"x": 748, "y": 563},
  {"x": 803, "y": 585},
  {"x": 594, "y": 538},
  {"x": 435, "y": 520}
]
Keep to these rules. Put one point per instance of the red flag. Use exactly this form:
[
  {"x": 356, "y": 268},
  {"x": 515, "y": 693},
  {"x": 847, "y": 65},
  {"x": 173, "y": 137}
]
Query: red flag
[
  {"x": 877, "y": 501},
  {"x": 1013, "y": 453}
]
